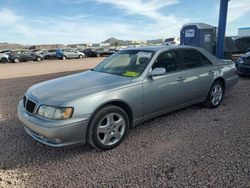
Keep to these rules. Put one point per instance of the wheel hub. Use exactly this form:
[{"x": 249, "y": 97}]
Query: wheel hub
[
  {"x": 111, "y": 129},
  {"x": 216, "y": 94}
]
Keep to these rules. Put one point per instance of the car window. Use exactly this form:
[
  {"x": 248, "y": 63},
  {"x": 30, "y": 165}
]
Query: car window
[
  {"x": 168, "y": 60},
  {"x": 119, "y": 61},
  {"x": 129, "y": 63},
  {"x": 193, "y": 58},
  {"x": 205, "y": 60}
]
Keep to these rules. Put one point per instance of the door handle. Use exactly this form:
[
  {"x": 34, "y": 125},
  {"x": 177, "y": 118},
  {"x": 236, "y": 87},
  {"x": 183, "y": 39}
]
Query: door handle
[
  {"x": 179, "y": 79},
  {"x": 211, "y": 72}
]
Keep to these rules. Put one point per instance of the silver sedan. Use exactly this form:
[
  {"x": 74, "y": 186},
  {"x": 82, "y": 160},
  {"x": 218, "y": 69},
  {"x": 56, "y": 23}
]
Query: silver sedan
[{"x": 99, "y": 106}]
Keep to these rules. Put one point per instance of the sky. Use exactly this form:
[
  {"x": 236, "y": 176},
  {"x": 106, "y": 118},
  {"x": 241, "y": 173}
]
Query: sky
[{"x": 91, "y": 21}]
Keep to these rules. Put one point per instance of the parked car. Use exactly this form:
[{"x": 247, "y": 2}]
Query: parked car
[
  {"x": 40, "y": 51},
  {"x": 172, "y": 41},
  {"x": 24, "y": 55},
  {"x": 6, "y": 51},
  {"x": 69, "y": 54},
  {"x": 133, "y": 85},
  {"x": 89, "y": 52},
  {"x": 4, "y": 57},
  {"x": 50, "y": 54},
  {"x": 243, "y": 65},
  {"x": 104, "y": 52}
]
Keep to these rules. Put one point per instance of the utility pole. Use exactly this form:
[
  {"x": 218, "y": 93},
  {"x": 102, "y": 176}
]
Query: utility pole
[{"x": 221, "y": 29}]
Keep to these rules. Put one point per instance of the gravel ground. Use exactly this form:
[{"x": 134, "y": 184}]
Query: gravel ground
[
  {"x": 193, "y": 147},
  {"x": 34, "y": 68}
]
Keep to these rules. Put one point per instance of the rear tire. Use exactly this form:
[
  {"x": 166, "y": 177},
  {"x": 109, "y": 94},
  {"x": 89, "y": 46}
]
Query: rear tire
[
  {"x": 108, "y": 128},
  {"x": 215, "y": 95},
  {"x": 16, "y": 60},
  {"x": 80, "y": 56}
]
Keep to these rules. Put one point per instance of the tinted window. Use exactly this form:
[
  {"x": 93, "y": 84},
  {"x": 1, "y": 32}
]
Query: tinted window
[
  {"x": 168, "y": 60},
  {"x": 205, "y": 60},
  {"x": 193, "y": 58}
]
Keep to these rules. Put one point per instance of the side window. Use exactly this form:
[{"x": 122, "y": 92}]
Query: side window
[
  {"x": 168, "y": 60},
  {"x": 193, "y": 58},
  {"x": 205, "y": 60}
]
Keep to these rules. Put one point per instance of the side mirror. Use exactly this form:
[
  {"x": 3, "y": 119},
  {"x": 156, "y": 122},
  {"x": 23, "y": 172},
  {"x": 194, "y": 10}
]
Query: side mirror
[{"x": 157, "y": 72}]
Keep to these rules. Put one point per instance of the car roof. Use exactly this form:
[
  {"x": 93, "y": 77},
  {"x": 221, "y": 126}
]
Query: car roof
[{"x": 158, "y": 48}]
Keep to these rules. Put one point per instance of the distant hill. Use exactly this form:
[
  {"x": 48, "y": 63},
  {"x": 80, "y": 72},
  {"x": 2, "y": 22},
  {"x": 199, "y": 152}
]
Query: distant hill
[
  {"x": 115, "y": 42},
  {"x": 11, "y": 46}
]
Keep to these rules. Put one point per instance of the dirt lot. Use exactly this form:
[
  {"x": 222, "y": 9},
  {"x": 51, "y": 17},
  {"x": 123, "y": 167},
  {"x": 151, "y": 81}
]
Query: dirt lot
[
  {"x": 193, "y": 147},
  {"x": 33, "y": 68}
]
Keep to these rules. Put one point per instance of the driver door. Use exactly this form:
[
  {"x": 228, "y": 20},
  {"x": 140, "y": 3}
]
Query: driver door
[{"x": 161, "y": 93}]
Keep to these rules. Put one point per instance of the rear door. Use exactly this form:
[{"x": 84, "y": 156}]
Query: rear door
[
  {"x": 197, "y": 73},
  {"x": 73, "y": 53}
]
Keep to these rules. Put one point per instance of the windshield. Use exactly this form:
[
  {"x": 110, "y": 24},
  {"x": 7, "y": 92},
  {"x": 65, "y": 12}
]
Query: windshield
[{"x": 130, "y": 63}]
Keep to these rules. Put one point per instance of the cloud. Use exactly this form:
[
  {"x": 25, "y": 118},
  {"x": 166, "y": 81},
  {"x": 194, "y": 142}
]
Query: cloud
[
  {"x": 56, "y": 29},
  {"x": 162, "y": 26},
  {"x": 83, "y": 28},
  {"x": 145, "y": 8},
  {"x": 7, "y": 17},
  {"x": 237, "y": 9}
]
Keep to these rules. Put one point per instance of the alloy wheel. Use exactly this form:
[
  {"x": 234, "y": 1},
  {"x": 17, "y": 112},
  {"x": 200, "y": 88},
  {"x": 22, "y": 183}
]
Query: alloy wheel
[
  {"x": 216, "y": 94},
  {"x": 111, "y": 129}
]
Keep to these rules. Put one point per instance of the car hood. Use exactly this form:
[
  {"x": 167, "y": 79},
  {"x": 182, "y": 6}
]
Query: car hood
[{"x": 69, "y": 88}]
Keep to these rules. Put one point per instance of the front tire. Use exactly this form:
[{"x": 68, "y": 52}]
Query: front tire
[
  {"x": 39, "y": 59},
  {"x": 4, "y": 60},
  {"x": 16, "y": 60},
  {"x": 215, "y": 95},
  {"x": 64, "y": 57},
  {"x": 108, "y": 128}
]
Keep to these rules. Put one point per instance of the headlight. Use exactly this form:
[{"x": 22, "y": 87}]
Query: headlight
[{"x": 58, "y": 113}]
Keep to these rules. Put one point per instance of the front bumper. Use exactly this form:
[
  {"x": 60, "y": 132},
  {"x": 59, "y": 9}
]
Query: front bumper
[
  {"x": 51, "y": 132},
  {"x": 243, "y": 69}
]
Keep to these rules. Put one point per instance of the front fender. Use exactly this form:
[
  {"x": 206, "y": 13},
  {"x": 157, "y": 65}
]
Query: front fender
[{"x": 131, "y": 95}]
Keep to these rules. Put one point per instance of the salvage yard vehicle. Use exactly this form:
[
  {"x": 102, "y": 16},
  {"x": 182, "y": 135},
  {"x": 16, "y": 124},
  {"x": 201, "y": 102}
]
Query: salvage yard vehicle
[
  {"x": 40, "y": 51},
  {"x": 24, "y": 55},
  {"x": 6, "y": 51},
  {"x": 172, "y": 41},
  {"x": 104, "y": 52},
  {"x": 4, "y": 57},
  {"x": 243, "y": 65},
  {"x": 50, "y": 54},
  {"x": 89, "y": 52},
  {"x": 99, "y": 106},
  {"x": 70, "y": 54}
]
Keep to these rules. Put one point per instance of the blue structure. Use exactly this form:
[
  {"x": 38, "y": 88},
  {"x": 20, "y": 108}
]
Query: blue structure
[{"x": 221, "y": 29}]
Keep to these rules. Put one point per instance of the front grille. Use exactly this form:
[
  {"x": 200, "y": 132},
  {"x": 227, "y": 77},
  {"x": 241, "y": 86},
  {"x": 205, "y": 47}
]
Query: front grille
[
  {"x": 29, "y": 105},
  {"x": 24, "y": 100}
]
